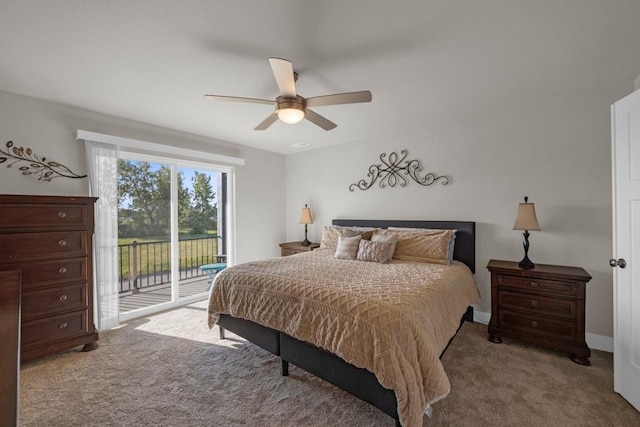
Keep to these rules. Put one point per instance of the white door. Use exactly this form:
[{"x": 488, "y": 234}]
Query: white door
[{"x": 625, "y": 119}]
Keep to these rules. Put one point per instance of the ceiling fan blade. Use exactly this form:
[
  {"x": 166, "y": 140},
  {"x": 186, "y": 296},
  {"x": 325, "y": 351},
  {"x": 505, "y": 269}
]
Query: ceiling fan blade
[
  {"x": 283, "y": 72},
  {"x": 317, "y": 119},
  {"x": 339, "y": 98},
  {"x": 267, "y": 122},
  {"x": 240, "y": 99}
]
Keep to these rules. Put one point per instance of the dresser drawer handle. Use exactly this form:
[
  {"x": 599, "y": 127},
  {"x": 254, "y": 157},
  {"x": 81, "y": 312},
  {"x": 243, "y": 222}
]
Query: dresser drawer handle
[
  {"x": 62, "y": 270},
  {"x": 62, "y": 214},
  {"x": 64, "y": 325},
  {"x": 534, "y": 324},
  {"x": 534, "y": 285},
  {"x": 534, "y": 303},
  {"x": 62, "y": 243},
  {"x": 63, "y": 298}
]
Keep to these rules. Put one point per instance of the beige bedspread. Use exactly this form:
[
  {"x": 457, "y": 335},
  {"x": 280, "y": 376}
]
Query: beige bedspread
[{"x": 392, "y": 319}]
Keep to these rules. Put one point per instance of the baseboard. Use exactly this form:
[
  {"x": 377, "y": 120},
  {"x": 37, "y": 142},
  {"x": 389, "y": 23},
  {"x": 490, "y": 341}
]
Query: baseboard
[
  {"x": 599, "y": 342},
  {"x": 595, "y": 342}
]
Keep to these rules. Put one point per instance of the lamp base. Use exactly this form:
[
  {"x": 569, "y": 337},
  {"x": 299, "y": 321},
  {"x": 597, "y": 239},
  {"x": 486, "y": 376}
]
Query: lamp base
[
  {"x": 305, "y": 242},
  {"x": 526, "y": 263}
]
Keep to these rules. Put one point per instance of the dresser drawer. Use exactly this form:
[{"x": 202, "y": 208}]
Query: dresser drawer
[
  {"x": 38, "y": 274},
  {"x": 539, "y": 285},
  {"x": 30, "y": 216},
  {"x": 539, "y": 305},
  {"x": 535, "y": 325},
  {"x": 28, "y": 246},
  {"x": 55, "y": 328},
  {"x": 43, "y": 302}
]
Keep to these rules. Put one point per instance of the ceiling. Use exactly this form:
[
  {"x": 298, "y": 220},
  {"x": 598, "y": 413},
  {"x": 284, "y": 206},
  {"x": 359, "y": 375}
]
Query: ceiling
[{"x": 153, "y": 60}]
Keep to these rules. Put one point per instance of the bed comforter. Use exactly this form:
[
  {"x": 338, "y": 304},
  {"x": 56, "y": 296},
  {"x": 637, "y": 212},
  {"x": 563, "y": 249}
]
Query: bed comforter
[{"x": 392, "y": 319}]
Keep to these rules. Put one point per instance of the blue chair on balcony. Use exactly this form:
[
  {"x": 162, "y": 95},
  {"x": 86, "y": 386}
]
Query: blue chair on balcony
[{"x": 212, "y": 269}]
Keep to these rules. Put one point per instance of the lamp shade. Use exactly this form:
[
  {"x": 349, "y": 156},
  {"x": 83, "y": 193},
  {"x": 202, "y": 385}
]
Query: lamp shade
[
  {"x": 526, "y": 219},
  {"x": 306, "y": 218}
]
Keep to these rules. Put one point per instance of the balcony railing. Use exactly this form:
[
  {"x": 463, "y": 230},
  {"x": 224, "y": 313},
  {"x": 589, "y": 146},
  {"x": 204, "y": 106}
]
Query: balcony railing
[{"x": 147, "y": 264}]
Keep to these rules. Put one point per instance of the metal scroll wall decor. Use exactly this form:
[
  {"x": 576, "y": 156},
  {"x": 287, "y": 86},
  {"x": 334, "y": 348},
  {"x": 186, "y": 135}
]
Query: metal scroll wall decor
[
  {"x": 395, "y": 170},
  {"x": 37, "y": 167}
]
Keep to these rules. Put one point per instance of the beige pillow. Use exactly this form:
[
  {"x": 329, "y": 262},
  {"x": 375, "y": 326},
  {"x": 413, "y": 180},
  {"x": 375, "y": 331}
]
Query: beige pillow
[
  {"x": 374, "y": 251},
  {"x": 330, "y": 234},
  {"x": 391, "y": 238},
  {"x": 422, "y": 245},
  {"x": 347, "y": 247},
  {"x": 452, "y": 242}
]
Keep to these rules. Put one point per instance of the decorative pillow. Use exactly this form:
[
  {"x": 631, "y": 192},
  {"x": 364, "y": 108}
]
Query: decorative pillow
[
  {"x": 374, "y": 251},
  {"x": 347, "y": 247},
  {"x": 330, "y": 234},
  {"x": 422, "y": 245},
  {"x": 452, "y": 242},
  {"x": 366, "y": 233},
  {"x": 391, "y": 238}
]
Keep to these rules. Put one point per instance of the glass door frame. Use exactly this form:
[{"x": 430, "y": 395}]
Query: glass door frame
[{"x": 229, "y": 225}]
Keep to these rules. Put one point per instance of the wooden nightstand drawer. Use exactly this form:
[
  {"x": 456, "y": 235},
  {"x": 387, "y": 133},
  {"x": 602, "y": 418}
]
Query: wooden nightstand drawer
[
  {"x": 292, "y": 248},
  {"x": 538, "y": 305},
  {"x": 536, "y": 284},
  {"x": 537, "y": 325},
  {"x": 287, "y": 252}
]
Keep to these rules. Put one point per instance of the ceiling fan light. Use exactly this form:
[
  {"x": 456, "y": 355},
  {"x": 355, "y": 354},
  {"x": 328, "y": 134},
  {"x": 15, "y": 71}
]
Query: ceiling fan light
[{"x": 290, "y": 115}]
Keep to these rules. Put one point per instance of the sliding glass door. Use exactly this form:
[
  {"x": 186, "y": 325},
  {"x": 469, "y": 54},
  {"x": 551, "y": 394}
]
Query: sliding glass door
[{"x": 171, "y": 229}]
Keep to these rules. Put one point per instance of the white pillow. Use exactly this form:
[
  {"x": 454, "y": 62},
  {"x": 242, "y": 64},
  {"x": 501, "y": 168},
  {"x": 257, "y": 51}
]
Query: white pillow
[
  {"x": 347, "y": 247},
  {"x": 391, "y": 238}
]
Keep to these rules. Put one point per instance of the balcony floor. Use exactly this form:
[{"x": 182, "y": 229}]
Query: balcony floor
[{"x": 162, "y": 293}]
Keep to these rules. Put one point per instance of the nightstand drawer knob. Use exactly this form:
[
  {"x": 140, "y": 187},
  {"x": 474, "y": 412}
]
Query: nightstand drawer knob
[
  {"x": 534, "y": 285},
  {"x": 63, "y": 298},
  {"x": 534, "y": 303},
  {"x": 62, "y": 243},
  {"x": 534, "y": 324},
  {"x": 62, "y": 214},
  {"x": 62, "y": 270},
  {"x": 64, "y": 325}
]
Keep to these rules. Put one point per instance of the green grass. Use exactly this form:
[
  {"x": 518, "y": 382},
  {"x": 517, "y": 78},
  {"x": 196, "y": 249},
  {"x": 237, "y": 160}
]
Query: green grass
[{"x": 156, "y": 258}]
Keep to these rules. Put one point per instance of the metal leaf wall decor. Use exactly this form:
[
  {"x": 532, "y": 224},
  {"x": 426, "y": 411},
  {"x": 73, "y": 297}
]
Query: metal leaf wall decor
[
  {"x": 395, "y": 170},
  {"x": 37, "y": 167}
]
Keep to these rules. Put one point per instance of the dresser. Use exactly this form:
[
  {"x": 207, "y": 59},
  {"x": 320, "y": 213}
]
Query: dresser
[
  {"x": 49, "y": 238},
  {"x": 292, "y": 248},
  {"x": 10, "y": 347},
  {"x": 544, "y": 306}
]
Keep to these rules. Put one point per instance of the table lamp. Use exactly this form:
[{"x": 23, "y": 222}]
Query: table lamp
[
  {"x": 306, "y": 219},
  {"x": 526, "y": 220}
]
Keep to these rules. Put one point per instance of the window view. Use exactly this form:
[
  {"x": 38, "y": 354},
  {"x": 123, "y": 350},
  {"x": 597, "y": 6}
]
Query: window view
[{"x": 146, "y": 216}]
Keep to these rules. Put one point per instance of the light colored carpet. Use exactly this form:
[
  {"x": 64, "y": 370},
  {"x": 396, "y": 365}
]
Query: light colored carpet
[{"x": 170, "y": 370}]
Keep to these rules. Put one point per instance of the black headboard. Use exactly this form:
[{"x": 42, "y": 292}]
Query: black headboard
[{"x": 465, "y": 248}]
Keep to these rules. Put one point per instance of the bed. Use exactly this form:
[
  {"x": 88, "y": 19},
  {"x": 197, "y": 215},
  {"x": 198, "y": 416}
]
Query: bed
[{"x": 381, "y": 356}]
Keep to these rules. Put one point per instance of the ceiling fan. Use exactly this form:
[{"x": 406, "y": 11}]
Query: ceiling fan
[{"x": 291, "y": 107}]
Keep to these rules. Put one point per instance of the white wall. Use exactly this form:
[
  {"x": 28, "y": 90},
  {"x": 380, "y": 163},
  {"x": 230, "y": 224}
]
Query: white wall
[
  {"x": 49, "y": 130},
  {"x": 555, "y": 150}
]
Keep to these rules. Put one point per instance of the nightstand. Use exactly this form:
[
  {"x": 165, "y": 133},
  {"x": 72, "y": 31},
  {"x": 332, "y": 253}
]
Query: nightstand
[
  {"x": 543, "y": 306},
  {"x": 292, "y": 248}
]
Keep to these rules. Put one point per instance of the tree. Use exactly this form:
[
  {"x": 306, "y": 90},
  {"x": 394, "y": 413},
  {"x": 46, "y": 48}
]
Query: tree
[
  {"x": 203, "y": 212},
  {"x": 144, "y": 198}
]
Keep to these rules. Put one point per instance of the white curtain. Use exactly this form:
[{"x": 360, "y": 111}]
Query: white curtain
[{"x": 102, "y": 161}]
